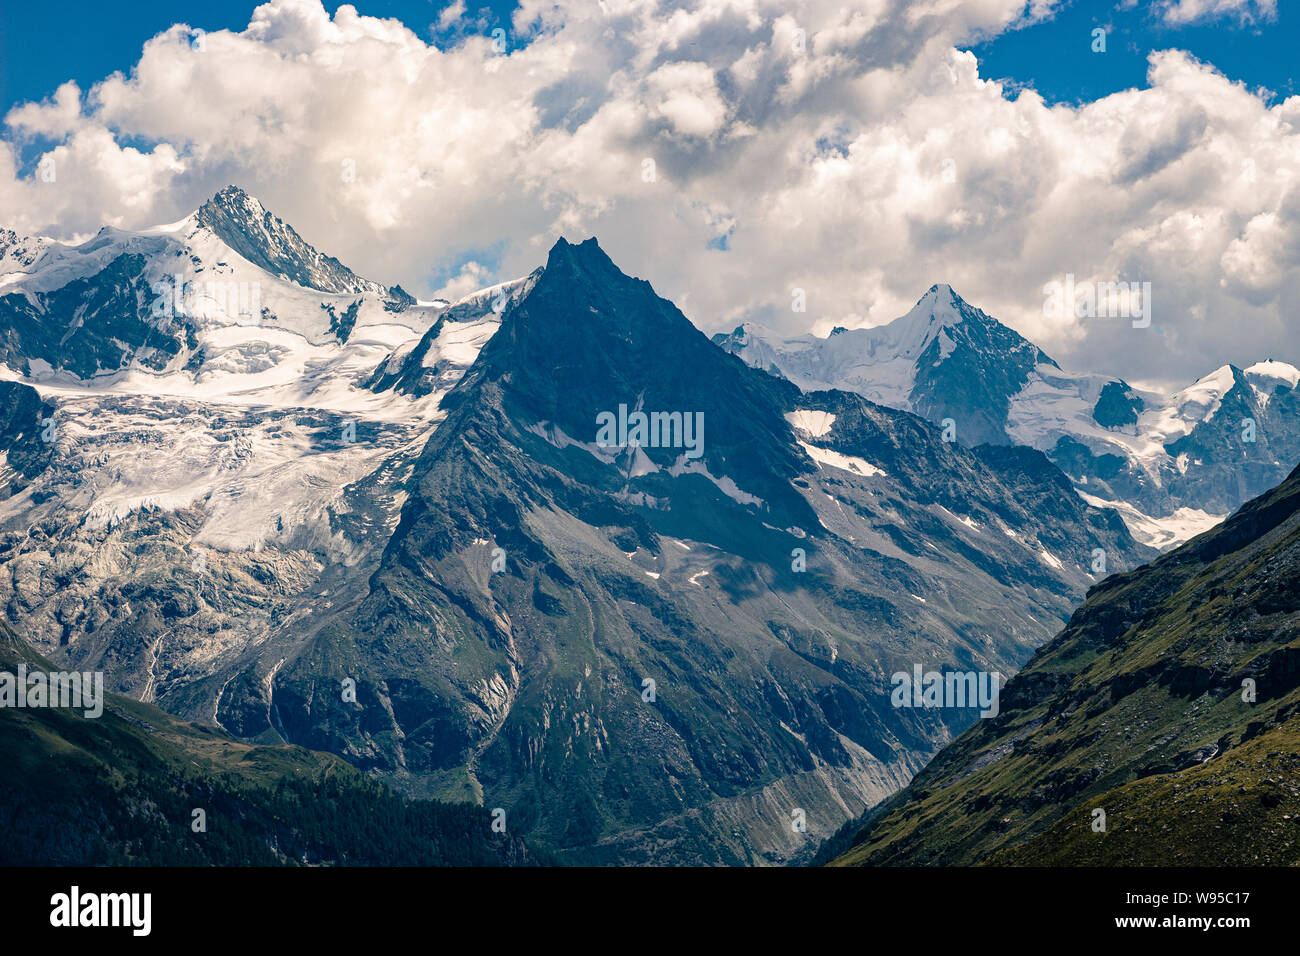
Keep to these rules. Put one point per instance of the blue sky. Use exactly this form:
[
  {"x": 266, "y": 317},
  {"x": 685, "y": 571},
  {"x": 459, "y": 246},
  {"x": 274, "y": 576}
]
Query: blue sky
[
  {"x": 109, "y": 36},
  {"x": 1053, "y": 57},
  {"x": 1056, "y": 58}
]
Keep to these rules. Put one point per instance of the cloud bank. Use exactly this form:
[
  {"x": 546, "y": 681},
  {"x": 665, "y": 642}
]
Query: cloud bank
[{"x": 731, "y": 151}]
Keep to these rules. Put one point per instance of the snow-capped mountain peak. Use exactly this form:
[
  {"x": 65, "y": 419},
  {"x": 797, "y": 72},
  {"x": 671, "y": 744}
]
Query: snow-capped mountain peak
[
  {"x": 149, "y": 344},
  {"x": 1173, "y": 463},
  {"x": 229, "y": 303},
  {"x": 267, "y": 241},
  {"x": 237, "y": 204},
  {"x": 1273, "y": 372},
  {"x": 940, "y": 306},
  {"x": 1201, "y": 400},
  {"x": 940, "y": 314},
  {"x": 943, "y": 359}
]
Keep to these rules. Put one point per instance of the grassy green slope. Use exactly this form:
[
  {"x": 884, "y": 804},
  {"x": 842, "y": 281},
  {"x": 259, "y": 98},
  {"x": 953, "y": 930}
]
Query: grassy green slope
[
  {"x": 1242, "y": 809},
  {"x": 1141, "y": 693}
]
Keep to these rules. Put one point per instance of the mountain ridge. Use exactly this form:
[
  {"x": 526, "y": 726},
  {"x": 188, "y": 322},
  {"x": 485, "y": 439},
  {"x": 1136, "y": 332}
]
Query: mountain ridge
[
  {"x": 268, "y": 242},
  {"x": 1164, "y": 460},
  {"x": 608, "y": 561}
]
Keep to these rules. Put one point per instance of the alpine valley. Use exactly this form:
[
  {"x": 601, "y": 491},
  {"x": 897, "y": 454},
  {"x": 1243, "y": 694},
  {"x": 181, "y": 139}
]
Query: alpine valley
[
  {"x": 298, "y": 507},
  {"x": 1161, "y": 727}
]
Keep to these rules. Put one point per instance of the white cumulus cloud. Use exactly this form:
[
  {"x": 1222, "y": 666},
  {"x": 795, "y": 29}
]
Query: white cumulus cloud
[{"x": 728, "y": 150}]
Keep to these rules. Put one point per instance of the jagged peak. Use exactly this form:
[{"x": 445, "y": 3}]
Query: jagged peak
[
  {"x": 231, "y": 206},
  {"x": 938, "y": 309},
  {"x": 232, "y": 195},
  {"x": 250, "y": 229},
  {"x": 944, "y": 306},
  {"x": 586, "y": 254}
]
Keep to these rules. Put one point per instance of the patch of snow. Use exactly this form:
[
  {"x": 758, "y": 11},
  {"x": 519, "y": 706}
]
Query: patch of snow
[
  {"x": 811, "y": 422},
  {"x": 1161, "y": 533},
  {"x": 694, "y": 466},
  {"x": 832, "y": 458}
]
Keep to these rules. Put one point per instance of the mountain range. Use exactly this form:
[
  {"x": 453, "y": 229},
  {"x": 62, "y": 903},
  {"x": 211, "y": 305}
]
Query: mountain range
[
  {"x": 1172, "y": 463},
  {"x": 301, "y": 507}
]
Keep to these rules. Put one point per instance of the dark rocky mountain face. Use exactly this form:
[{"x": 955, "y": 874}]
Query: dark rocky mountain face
[
  {"x": 1117, "y": 406},
  {"x": 25, "y": 439},
  {"x": 1173, "y": 694},
  {"x": 970, "y": 371},
  {"x": 94, "y": 324},
  {"x": 645, "y": 655}
]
